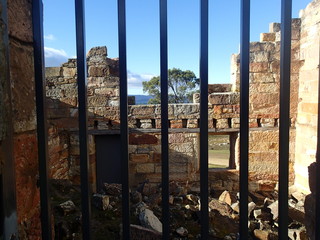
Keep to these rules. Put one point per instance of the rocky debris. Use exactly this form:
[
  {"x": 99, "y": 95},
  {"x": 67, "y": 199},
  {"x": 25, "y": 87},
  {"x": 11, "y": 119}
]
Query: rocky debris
[
  {"x": 227, "y": 198},
  {"x": 223, "y": 208},
  {"x": 67, "y": 207},
  {"x": 222, "y": 225},
  {"x": 298, "y": 196},
  {"x": 274, "y": 210},
  {"x": 136, "y": 197},
  {"x": 182, "y": 232},
  {"x": 185, "y": 217},
  {"x": 112, "y": 189},
  {"x": 140, "y": 233},
  {"x": 101, "y": 201},
  {"x": 193, "y": 199},
  {"x": 149, "y": 220},
  {"x": 251, "y": 207},
  {"x": 265, "y": 235}
]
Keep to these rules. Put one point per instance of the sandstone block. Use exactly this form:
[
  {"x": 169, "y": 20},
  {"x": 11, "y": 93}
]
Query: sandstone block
[
  {"x": 192, "y": 123},
  {"x": 212, "y": 88},
  {"x": 69, "y": 72},
  {"x": 22, "y": 80},
  {"x": 259, "y": 56},
  {"x": 97, "y": 51},
  {"x": 267, "y": 37},
  {"x": 224, "y": 98},
  {"x": 139, "y": 139},
  {"x": 263, "y": 77},
  {"x": 258, "y": 67},
  {"x": 145, "y": 168},
  {"x": 222, "y": 123},
  {"x": 20, "y": 20},
  {"x": 98, "y": 71},
  {"x": 139, "y": 158},
  {"x": 53, "y": 72},
  {"x": 176, "y": 123},
  {"x": 274, "y": 27}
]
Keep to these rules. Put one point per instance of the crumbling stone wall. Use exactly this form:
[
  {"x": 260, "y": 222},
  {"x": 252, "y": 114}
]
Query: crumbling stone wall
[
  {"x": 224, "y": 109},
  {"x": 306, "y": 139},
  {"x": 145, "y": 150},
  {"x": 22, "y": 121}
]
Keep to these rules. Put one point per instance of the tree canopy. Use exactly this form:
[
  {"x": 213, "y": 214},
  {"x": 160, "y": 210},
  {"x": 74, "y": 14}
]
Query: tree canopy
[{"x": 181, "y": 86}]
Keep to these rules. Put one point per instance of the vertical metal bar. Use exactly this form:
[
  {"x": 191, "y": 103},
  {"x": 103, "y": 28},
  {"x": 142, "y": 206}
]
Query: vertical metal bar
[
  {"x": 204, "y": 48},
  {"x": 8, "y": 208},
  {"x": 164, "y": 117},
  {"x": 317, "y": 215},
  {"x": 244, "y": 116},
  {"x": 124, "y": 118},
  {"x": 37, "y": 21},
  {"x": 83, "y": 118},
  {"x": 285, "y": 63}
]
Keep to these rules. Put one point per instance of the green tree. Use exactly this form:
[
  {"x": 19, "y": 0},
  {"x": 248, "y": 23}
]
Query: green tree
[{"x": 181, "y": 86}]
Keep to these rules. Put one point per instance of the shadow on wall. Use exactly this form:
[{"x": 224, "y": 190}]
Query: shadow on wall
[
  {"x": 144, "y": 149},
  {"x": 310, "y": 202}
]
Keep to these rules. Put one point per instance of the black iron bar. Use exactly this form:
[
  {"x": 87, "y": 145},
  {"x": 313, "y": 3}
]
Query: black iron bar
[
  {"x": 317, "y": 213},
  {"x": 83, "y": 118},
  {"x": 285, "y": 63},
  {"x": 204, "y": 48},
  {"x": 244, "y": 116},
  {"x": 164, "y": 118},
  {"x": 42, "y": 134},
  {"x": 124, "y": 118}
]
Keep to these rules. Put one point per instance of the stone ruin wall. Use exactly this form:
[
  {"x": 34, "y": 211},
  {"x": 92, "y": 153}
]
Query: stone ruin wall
[
  {"x": 306, "y": 125},
  {"x": 18, "y": 117},
  {"x": 63, "y": 140},
  {"x": 145, "y": 148},
  {"x": 264, "y": 98},
  {"x": 103, "y": 101}
]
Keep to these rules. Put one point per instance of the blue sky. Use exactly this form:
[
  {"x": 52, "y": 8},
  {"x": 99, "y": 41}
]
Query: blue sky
[{"x": 143, "y": 33}]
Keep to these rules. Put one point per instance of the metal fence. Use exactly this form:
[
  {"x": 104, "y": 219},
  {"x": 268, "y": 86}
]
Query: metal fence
[{"x": 37, "y": 14}]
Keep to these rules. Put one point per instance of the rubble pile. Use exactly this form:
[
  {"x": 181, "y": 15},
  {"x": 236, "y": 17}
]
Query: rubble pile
[{"x": 185, "y": 219}]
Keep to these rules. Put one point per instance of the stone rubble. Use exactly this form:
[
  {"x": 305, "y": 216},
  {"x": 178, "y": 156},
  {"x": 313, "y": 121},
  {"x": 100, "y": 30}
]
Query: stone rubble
[{"x": 185, "y": 221}]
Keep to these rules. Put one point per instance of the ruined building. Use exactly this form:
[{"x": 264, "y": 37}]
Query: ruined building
[{"x": 18, "y": 119}]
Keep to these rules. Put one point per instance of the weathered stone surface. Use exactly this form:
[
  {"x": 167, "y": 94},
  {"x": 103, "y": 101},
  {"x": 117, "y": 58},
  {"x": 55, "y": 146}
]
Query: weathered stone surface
[
  {"x": 145, "y": 168},
  {"x": 150, "y": 221},
  {"x": 224, "y": 98},
  {"x": 112, "y": 189},
  {"x": 67, "y": 207},
  {"x": 140, "y": 233},
  {"x": 28, "y": 195},
  {"x": 222, "y": 224},
  {"x": 218, "y": 88},
  {"x": 97, "y": 51},
  {"x": 137, "y": 139},
  {"x": 101, "y": 201},
  {"x": 53, "y": 72},
  {"x": 19, "y": 19},
  {"x": 21, "y": 60},
  {"x": 274, "y": 27},
  {"x": 265, "y": 235},
  {"x": 225, "y": 197},
  {"x": 183, "y": 232},
  {"x": 267, "y": 37},
  {"x": 274, "y": 209}
]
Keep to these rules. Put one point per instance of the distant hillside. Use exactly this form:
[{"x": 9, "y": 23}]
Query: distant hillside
[{"x": 142, "y": 99}]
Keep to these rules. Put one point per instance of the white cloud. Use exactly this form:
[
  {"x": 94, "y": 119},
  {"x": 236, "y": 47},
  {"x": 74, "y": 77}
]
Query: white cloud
[
  {"x": 136, "y": 79},
  {"x": 135, "y": 82},
  {"x": 49, "y": 37},
  {"x": 54, "y": 57}
]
